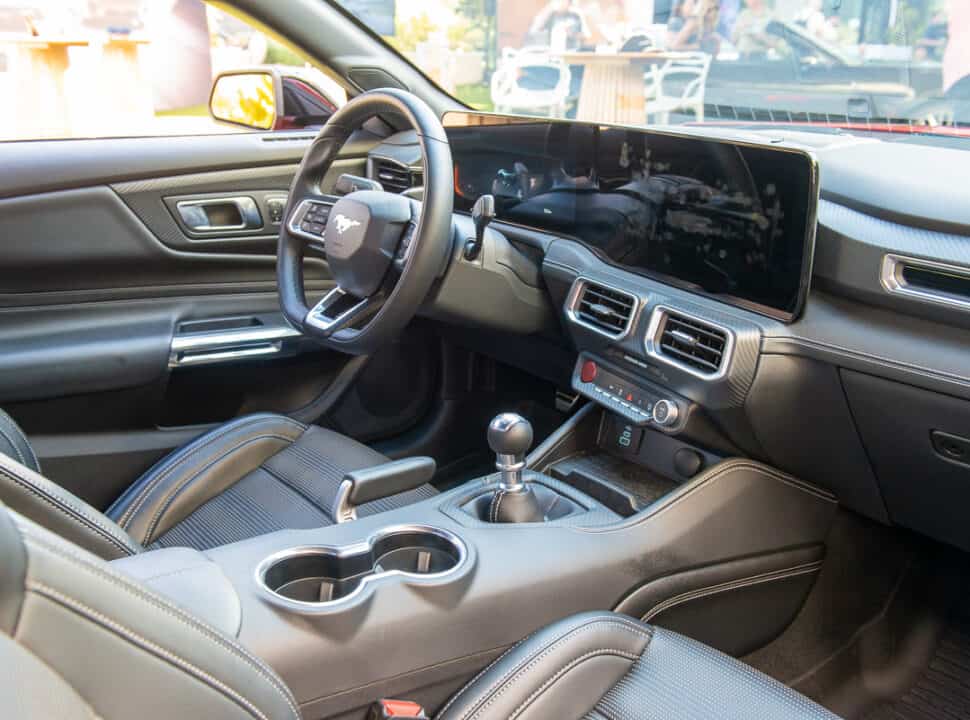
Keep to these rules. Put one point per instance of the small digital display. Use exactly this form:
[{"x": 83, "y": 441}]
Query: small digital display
[{"x": 731, "y": 220}]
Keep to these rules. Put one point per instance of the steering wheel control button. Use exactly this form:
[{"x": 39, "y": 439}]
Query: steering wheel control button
[
  {"x": 588, "y": 373},
  {"x": 665, "y": 413},
  {"x": 309, "y": 221}
]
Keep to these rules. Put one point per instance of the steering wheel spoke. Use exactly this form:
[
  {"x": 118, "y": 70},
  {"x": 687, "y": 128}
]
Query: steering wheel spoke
[
  {"x": 308, "y": 220},
  {"x": 338, "y": 309}
]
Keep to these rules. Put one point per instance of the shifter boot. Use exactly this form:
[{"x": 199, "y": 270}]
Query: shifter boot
[{"x": 515, "y": 507}]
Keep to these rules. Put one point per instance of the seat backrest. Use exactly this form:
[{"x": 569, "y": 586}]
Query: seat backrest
[
  {"x": 80, "y": 640},
  {"x": 27, "y": 492}
]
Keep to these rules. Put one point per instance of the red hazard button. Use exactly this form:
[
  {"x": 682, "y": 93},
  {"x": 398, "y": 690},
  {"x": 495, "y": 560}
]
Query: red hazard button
[{"x": 588, "y": 373}]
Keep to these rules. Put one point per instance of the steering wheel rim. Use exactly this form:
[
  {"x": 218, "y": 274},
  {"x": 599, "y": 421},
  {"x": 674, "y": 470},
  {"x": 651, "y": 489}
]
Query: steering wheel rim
[{"x": 356, "y": 250}]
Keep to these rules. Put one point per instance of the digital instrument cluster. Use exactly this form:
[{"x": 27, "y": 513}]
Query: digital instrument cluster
[{"x": 730, "y": 220}]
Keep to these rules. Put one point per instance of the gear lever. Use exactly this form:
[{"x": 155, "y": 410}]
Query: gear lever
[
  {"x": 510, "y": 437},
  {"x": 483, "y": 212}
]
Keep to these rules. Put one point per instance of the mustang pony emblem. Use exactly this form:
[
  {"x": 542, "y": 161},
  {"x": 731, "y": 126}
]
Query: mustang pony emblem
[{"x": 344, "y": 223}]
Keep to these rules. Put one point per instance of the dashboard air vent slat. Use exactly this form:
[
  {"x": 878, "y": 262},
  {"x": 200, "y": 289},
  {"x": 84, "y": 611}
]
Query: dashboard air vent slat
[
  {"x": 395, "y": 178},
  {"x": 692, "y": 343},
  {"x": 604, "y": 309}
]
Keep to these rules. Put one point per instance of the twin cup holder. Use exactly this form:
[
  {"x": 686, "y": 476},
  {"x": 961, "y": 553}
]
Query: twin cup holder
[{"x": 321, "y": 579}]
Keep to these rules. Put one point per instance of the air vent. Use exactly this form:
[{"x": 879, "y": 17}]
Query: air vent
[
  {"x": 394, "y": 177},
  {"x": 691, "y": 343},
  {"x": 602, "y": 308}
]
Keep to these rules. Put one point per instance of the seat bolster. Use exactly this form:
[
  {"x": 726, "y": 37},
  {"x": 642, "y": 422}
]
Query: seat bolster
[
  {"x": 590, "y": 652},
  {"x": 48, "y": 504},
  {"x": 197, "y": 472},
  {"x": 14, "y": 443},
  {"x": 128, "y": 651}
]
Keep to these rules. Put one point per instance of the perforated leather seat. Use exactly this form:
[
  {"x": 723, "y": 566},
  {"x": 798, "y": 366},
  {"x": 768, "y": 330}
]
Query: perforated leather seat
[{"x": 251, "y": 476}]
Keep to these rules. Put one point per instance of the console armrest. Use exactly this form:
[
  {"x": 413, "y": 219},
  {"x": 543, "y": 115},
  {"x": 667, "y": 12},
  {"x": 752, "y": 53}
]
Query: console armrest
[{"x": 191, "y": 580}]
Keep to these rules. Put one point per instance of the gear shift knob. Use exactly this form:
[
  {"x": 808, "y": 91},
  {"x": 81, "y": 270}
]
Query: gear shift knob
[{"x": 510, "y": 437}]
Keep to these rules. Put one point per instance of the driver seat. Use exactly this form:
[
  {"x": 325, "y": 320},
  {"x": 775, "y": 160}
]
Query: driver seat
[{"x": 252, "y": 475}]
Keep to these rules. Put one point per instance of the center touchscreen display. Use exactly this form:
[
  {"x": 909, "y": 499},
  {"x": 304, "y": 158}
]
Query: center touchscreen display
[{"x": 734, "y": 221}]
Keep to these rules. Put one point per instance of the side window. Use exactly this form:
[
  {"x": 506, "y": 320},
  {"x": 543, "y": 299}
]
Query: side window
[{"x": 125, "y": 68}]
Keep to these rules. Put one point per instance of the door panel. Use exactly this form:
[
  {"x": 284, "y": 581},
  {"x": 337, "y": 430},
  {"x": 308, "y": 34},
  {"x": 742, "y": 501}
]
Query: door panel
[{"x": 99, "y": 279}]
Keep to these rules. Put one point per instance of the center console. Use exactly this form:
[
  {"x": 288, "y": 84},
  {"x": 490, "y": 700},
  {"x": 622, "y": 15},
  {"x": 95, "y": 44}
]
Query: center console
[{"x": 412, "y": 602}]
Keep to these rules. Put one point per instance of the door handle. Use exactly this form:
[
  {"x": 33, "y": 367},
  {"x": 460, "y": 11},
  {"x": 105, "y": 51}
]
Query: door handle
[
  {"x": 220, "y": 214},
  {"x": 228, "y": 345}
]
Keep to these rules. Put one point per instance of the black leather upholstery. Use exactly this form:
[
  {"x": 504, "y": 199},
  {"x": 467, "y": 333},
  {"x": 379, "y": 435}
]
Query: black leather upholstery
[
  {"x": 89, "y": 643},
  {"x": 253, "y": 475},
  {"x": 13, "y": 443},
  {"x": 604, "y": 666}
]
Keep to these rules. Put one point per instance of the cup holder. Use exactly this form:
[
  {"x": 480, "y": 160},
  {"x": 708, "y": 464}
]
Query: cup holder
[{"x": 321, "y": 576}]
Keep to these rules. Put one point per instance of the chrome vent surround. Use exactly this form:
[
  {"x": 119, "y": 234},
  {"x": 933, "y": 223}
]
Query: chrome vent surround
[
  {"x": 698, "y": 346},
  {"x": 601, "y": 308},
  {"x": 395, "y": 177}
]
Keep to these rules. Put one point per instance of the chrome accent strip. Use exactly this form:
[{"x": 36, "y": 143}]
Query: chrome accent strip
[
  {"x": 576, "y": 292},
  {"x": 317, "y": 319},
  {"x": 892, "y": 280},
  {"x": 343, "y": 510},
  {"x": 293, "y": 222},
  {"x": 228, "y": 355},
  {"x": 651, "y": 342},
  {"x": 356, "y": 549},
  {"x": 228, "y": 344}
]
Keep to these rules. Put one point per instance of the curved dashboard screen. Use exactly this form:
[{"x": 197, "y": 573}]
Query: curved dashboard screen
[{"x": 726, "y": 219}]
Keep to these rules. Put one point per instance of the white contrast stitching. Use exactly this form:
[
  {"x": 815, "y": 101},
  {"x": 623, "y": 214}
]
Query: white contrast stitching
[
  {"x": 493, "y": 692},
  {"x": 131, "y": 635},
  {"x": 166, "y": 501},
  {"x": 173, "y": 611},
  {"x": 177, "y": 461},
  {"x": 566, "y": 668},
  {"x": 73, "y": 513}
]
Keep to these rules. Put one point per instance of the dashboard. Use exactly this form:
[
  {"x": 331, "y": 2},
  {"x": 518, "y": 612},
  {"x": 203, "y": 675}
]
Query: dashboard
[
  {"x": 732, "y": 220},
  {"x": 865, "y": 391}
]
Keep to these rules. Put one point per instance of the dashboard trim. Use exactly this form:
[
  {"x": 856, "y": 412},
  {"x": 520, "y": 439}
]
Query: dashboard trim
[
  {"x": 572, "y": 300},
  {"x": 652, "y": 346},
  {"x": 893, "y": 282}
]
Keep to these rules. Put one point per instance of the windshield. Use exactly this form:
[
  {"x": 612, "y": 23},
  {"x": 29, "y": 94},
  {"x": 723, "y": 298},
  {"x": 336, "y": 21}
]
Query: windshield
[{"x": 899, "y": 66}]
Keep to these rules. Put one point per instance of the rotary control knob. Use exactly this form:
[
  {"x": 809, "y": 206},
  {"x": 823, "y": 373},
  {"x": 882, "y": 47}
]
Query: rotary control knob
[{"x": 665, "y": 413}]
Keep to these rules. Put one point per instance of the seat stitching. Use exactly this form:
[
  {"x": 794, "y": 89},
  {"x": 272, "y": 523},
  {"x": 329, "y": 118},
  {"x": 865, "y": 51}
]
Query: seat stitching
[
  {"x": 15, "y": 429},
  {"x": 20, "y": 455},
  {"x": 121, "y": 581},
  {"x": 484, "y": 670},
  {"x": 132, "y": 636},
  {"x": 72, "y": 513},
  {"x": 166, "y": 501},
  {"x": 498, "y": 688},
  {"x": 708, "y": 590},
  {"x": 179, "y": 458},
  {"x": 528, "y": 662},
  {"x": 566, "y": 668}
]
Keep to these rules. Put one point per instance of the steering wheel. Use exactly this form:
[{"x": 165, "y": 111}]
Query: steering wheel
[{"x": 384, "y": 250}]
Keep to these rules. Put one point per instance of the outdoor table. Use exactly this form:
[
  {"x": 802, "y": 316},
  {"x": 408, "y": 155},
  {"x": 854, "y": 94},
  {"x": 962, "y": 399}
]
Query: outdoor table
[
  {"x": 613, "y": 89},
  {"x": 42, "y": 104}
]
